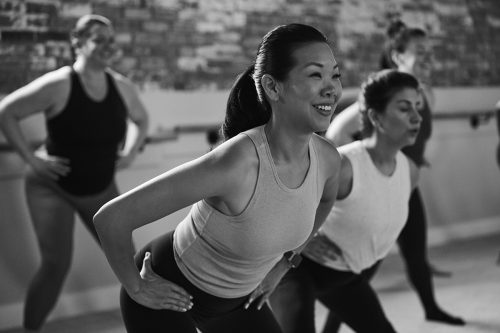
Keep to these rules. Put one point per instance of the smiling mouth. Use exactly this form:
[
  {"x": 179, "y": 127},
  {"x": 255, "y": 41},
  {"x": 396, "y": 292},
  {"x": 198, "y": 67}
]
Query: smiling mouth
[{"x": 324, "y": 109}]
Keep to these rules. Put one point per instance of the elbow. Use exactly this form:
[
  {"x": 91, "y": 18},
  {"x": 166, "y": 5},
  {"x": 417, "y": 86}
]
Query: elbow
[{"x": 102, "y": 220}]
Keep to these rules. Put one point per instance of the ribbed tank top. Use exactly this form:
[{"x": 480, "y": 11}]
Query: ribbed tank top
[
  {"x": 228, "y": 256},
  {"x": 365, "y": 224},
  {"x": 88, "y": 133}
]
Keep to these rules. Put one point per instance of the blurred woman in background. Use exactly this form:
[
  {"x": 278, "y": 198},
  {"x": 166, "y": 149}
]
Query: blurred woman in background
[
  {"x": 86, "y": 107},
  {"x": 409, "y": 52}
]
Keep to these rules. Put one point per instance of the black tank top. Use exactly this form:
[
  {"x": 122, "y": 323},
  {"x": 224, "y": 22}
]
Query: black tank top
[{"x": 89, "y": 134}]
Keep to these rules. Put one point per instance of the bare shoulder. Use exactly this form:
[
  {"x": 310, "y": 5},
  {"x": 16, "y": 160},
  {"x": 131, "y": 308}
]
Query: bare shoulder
[
  {"x": 53, "y": 82},
  {"x": 327, "y": 152},
  {"x": 121, "y": 80},
  {"x": 345, "y": 178},
  {"x": 237, "y": 156},
  {"x": 48, "y": 93},
  {"x": 344, "y": 125}
]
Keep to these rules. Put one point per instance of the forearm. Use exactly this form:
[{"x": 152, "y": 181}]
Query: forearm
[
  {"x": 117, "y": 245},
  {"x": 322, "y": 212},
  {"x": 142, "y": 132},
  {"x": 13, "y": 134}
]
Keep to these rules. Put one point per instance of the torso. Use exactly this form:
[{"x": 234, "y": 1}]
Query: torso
[
  {"x": 88, "y": 133},
  {"x": 365, "y": 224},
  {"x": 229, "y": 255}
]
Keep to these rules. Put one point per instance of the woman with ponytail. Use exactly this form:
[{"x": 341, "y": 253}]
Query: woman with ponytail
[
  {"x": 408, "y": 53},
  {"x": 256, "y": 200}
]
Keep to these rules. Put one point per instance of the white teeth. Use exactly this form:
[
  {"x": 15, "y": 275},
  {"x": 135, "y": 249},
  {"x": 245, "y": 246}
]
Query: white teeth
[{"x": 324, "y": 107}]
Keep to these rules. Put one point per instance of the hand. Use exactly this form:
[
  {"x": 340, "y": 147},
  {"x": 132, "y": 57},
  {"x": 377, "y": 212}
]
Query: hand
[
  {"x": 322, "y": 249},
  {"x": 49, "y": 166},
  {"x": 157, "y": 293},
  {"x": 267, "y": 286},
  {"x": 124, "y": 160}
]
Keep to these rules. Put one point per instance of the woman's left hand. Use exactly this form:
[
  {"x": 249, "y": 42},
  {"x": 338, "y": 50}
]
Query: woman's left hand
[
  {"x": 124, "y": 160},
  {"x": 264, "y": 290}
]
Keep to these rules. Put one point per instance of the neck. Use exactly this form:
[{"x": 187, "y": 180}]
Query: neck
[
  {"x": 382, "y": 152},
  {"x": 86, "y": 68},
  {"x": 286, "y": 145}
]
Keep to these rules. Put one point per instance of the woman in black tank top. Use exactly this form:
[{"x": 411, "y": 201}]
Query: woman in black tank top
[{"x": 86, "y": 107}]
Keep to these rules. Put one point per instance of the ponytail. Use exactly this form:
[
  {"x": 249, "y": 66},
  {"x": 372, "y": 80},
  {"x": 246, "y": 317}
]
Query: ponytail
[
  {"x": 244, "y": 110},
  {"x": 247, "y": 105}
]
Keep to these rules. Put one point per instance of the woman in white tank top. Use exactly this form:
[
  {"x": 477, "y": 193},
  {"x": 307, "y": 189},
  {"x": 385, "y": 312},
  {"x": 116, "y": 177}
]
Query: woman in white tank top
[{"x": 371, "y": 208}]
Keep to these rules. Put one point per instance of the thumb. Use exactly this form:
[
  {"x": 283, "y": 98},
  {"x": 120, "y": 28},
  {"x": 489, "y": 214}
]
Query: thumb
[{"x": 146, "y": 266}]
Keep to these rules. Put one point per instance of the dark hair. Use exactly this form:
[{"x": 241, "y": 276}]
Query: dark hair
[
  {"x": 247, "y": 106},
  {"x": 394, "y": 28},
  {"x": 399, "y": 35},
  {"x": 377, "y": 91},
  {"x": 401, "y": 39},
  {"x": 82, "y": 28}
]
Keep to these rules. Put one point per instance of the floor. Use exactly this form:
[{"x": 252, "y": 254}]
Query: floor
[{"x": 472, "y": 292}]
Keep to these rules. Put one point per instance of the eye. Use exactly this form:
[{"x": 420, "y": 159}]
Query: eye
[
  {"x": 315, "y": 74},
  {"x": 336, "y": 76}
]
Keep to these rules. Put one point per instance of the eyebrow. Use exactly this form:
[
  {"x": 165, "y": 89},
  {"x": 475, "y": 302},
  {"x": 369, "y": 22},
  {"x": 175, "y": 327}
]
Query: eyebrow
[
  {"x": 405, "y": 101},
  {"x": 317, "y": 64}
]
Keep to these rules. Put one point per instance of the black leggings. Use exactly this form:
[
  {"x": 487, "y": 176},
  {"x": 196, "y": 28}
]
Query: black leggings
[
  {"x": 346, "y": 294},
  {"x": 209, "y": 313},
  {"x": 413, "y": 247}
]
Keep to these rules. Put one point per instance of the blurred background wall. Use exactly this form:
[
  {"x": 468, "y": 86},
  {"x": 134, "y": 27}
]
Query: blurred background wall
[{"x": 184, "y": 55}]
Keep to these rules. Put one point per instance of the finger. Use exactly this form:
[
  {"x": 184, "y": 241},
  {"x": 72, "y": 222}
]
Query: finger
[
  {"x": 60, "y": 169},
  {"x": 175, "y": 308},
  {"x": 262, "y": 301},
  {"x": 252, "y": 298},
  {"x": 177, "y": 304},
  {"x": 179, "y": 290},
  {"x": 147, "y": 270}
]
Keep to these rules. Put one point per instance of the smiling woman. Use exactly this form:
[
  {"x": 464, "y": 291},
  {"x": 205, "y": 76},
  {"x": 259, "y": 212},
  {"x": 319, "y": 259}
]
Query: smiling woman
[
  {"x": 86, "y": 107},
  {"x": 270, "y": 176}
]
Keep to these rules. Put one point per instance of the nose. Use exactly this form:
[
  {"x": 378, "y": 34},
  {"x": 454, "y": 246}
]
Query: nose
[
  {"x": 332, "y": 89},
  {"x": 416, "y": 117}
]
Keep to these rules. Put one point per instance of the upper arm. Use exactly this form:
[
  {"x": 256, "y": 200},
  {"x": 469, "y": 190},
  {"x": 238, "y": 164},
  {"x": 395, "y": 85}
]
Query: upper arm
[
  {"x": 345, "y": 178},
  {"x": 135, "y": 108},
  {"x": 331, "y": 166},
  {"x": 414, "y": 173},
  {"x": 344, "y": 126},
  {"x": 47, "y": 93},
  {"x": 217, "y": 174}
]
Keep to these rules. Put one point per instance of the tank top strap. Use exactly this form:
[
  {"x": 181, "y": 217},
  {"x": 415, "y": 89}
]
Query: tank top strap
[
  {"x": 77, "y": 91},
  {"x": 112, "y": 86}
]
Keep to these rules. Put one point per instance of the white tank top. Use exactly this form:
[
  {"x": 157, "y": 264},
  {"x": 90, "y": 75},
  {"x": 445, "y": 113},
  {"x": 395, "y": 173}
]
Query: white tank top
[
  {"x": 228, "y": 256},
  {"x": 365, "y": 225}
]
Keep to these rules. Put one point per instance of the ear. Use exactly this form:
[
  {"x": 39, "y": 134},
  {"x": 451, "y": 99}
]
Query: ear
[
  {"x": 271, "y": 87},
  {"x": 373, "y": 117},
  {"x": 75, "y": 42},
  {"x": 397, "y": 58}
]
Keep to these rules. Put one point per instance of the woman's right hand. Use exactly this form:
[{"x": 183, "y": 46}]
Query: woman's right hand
[
  {"x": 49, "y": 166},
  {"x": 157, "y": 293}
]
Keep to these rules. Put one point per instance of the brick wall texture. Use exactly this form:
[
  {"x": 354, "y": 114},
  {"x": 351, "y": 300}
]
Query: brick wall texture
[{"x": 203, "y": 44}]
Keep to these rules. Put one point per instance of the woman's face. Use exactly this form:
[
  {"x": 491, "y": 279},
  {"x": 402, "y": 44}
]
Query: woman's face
[
  {"x": 416, "y": 59},
  {"x": 400, "y": 121},
  {"x": 98, "y": 46},
  {"x": 312, "y": 89}
]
